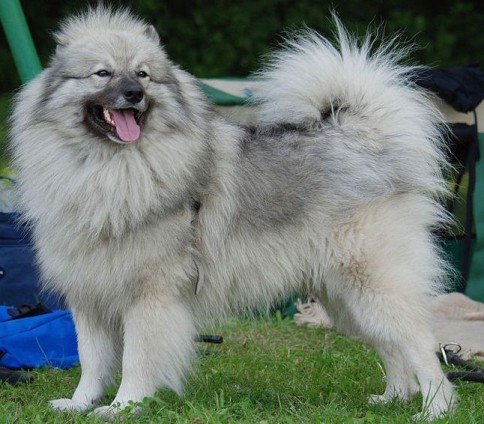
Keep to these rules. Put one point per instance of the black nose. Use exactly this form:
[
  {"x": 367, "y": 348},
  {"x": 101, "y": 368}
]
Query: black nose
[{"x": 133, "y": 93}]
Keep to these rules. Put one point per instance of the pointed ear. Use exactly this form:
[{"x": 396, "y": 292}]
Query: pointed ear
[{"x": 151, "y": 33}]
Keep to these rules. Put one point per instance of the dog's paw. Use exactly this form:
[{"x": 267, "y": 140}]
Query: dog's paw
[
  {"x": 427, "y": 416},
  {"x": 69, "y": 405},
  {"x": 379, "y": 399},
  {"x": 394, "y": 394},
  {"x": 387, "y": 398},
  {"x": 436, "y": 410},
  {"x": 110, "y": 412},
  {"x": 106, "y": 412}
]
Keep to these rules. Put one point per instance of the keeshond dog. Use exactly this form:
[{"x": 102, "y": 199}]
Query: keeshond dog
[{"x": 153, "y": 215}]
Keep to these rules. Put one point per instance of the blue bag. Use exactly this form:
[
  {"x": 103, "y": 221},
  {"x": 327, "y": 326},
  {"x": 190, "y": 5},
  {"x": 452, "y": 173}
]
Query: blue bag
[
  {"x": 29, "y": 336},
  {"x": 30, "y": 340},
  {"x": 19, "y": 277}
]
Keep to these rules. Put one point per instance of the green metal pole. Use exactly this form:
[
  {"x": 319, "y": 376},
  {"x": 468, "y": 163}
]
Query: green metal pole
[{"x": 19, "y": 39}]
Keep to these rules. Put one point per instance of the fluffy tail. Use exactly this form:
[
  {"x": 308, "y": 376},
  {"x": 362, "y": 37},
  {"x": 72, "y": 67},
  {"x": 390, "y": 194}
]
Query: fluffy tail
[{"x": 360, "y": 91}]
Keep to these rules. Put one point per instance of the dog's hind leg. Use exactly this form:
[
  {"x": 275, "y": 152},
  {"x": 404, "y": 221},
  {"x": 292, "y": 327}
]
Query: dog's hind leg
[
  {"x": 396, "y": 320},
  {"x": 438, "y": 393},
  {"x": 158, "y": 347},
  {"x": 97, "y": 353},
  {"x": 384, "y": 275},
  {"x": 400, "y": 380},
  {"x": 384, "y": 316}
]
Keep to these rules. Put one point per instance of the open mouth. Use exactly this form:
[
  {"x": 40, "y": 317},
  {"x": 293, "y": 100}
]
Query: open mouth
[{"x": 120, "y": 125}]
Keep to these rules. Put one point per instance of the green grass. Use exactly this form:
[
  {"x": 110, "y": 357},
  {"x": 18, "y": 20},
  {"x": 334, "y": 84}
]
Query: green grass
[
  {"x": 5, "y": 100},
  {"x": 266, "y": 371}
]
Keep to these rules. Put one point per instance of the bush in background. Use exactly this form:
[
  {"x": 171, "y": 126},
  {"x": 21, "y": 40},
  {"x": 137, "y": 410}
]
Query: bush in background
[{"x": 228, "y": 38}]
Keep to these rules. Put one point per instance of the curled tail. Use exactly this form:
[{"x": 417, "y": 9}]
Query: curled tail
[{"x": 360, "y": 91}]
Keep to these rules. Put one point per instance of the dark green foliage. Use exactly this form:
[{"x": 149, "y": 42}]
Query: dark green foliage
[
  {"x": 4, "y": 111},
  {"x": 228, "y": 38}
]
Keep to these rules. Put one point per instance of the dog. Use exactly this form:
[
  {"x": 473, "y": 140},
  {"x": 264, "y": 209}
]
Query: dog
[{"x": 152, "y": 215}]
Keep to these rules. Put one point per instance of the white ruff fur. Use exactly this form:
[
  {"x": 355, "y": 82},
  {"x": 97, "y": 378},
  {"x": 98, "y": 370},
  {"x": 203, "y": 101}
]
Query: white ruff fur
[{"x": 333, "y": 194}]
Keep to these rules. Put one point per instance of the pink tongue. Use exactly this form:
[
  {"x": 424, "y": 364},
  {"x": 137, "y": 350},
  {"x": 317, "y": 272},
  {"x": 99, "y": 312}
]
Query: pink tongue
[{"x": 126, "y": 127}]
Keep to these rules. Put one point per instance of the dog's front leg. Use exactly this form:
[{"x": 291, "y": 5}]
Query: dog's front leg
[
  {"x": 97, "y": 353},
  {"x": 158, "y": 348}
]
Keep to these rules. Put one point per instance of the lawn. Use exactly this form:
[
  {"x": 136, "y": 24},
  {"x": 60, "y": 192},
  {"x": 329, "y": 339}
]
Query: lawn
[{"x": 267, "y": 370}]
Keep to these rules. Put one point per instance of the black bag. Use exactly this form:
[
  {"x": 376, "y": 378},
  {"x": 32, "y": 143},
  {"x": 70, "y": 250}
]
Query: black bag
[{"x": 462, "y": 88}]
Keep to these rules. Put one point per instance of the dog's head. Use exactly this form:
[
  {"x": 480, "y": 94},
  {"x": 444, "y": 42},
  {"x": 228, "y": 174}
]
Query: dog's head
[
  {"x": 119, "y": 108},
  {"x": 111, "y": 66}
]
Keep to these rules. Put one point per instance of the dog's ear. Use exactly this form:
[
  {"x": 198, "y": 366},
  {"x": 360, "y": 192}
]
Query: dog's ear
[{"x": 151, "y": 32}]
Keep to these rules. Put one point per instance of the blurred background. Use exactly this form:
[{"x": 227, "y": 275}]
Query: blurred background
[
  {"x": 222, "y": 38},
  {"x": 218, "y": 38}
]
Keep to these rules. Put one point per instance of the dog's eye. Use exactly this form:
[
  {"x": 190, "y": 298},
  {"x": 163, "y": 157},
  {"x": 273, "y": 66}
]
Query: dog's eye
[
  {"x": 103, "y": 73},
  {"x": 142, "y": 74}
]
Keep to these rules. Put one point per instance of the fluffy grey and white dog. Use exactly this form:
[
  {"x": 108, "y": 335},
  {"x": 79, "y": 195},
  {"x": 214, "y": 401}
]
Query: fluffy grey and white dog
[{"x": 151, "y": 214}]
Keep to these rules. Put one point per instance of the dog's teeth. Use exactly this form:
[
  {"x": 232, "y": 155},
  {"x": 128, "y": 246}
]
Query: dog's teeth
[{"x": 107, "y": 116}]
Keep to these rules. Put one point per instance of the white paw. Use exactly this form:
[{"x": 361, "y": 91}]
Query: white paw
[
  {"x": 106, "y": 412},
  {"x": 440, "y": 404},
  {"x": 389, "y": 396},
  {"x": 69, "y": 405},
  {"x": 379, "y": 399},
  {"x": 110, "y": 412},
  {"x": 435, "y": 411},
  {"x": 427, "y": 416}
]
